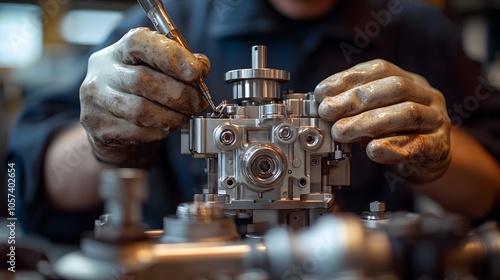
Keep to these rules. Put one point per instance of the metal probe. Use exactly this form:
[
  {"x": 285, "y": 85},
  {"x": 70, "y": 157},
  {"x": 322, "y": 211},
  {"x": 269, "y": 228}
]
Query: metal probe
[{"x": 163, "y": 23}]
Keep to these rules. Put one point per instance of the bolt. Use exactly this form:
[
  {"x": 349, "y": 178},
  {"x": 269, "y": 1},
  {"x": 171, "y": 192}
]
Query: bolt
[{"x": 377, "y": 206}]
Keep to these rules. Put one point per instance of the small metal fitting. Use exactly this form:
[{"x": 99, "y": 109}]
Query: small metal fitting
[
  {"x": 227, "y": 137},
  {"x": 285, "y": 133},
  {"x": 377, "y": 206}
]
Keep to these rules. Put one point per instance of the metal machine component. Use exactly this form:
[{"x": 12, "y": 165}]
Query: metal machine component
[
  {"x": 259, "y": 83},
  {"x": 272, "y": 161},
  {"x": 335, "y": 247},
  {"x": 118, "y": 244},
  {"x": 199, "y": 222},
  {"x": 163, "y": 23},
  {"x": 268, "y": 156},
  {"x": 201, "y": 243},
  {"x": 376, "y": 216},
  {"x": 124, "y": 191}
]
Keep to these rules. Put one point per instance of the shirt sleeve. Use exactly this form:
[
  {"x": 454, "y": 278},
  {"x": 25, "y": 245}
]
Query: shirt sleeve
[{"x": 42, "y": 117}]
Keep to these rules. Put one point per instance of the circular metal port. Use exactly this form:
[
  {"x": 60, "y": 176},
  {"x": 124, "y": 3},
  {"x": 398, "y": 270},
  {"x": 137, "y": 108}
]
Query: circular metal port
[
  {"x": 263, "y": 165},
  {"x": 229, "y": 182},
  {"x": 285, "y": 133},
  {"x": 311, "y": 138},
  {"x": 227, "y": 137}
]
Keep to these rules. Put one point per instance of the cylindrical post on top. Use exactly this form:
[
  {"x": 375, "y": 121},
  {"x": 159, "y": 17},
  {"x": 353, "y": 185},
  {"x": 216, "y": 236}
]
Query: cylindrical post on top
[
  {"x": 259, "y": 56},
  {"x": 259, "y": 84}
]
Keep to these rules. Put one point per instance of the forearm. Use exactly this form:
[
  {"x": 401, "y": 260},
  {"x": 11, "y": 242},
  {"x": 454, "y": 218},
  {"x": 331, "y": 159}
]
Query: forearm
[
  {"x": 71, "y": 171},
  {"x": 471, "y": 186}
]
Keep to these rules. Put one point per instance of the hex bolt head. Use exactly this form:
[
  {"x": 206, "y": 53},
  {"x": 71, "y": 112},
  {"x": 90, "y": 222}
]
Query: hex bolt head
[{"x": 377, "y": 206}]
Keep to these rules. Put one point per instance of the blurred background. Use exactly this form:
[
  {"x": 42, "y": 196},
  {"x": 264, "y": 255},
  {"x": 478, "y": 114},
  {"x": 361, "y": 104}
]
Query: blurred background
[{"x": 41, "y": 41}]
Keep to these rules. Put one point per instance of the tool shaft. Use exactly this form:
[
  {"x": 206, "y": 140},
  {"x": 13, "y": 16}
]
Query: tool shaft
[{"x": 163, "y": 23}]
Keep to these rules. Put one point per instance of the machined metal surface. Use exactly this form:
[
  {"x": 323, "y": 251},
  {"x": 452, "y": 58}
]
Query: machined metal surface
[
  {"x": 335, "y": 247},
  {"x": 271, "y": 162},
  {"x": 268, "y": 151},
  {"x": 199, "y": 222},
  {"x": 123, "y": 191},
  {"x": 258, "y": 83}
]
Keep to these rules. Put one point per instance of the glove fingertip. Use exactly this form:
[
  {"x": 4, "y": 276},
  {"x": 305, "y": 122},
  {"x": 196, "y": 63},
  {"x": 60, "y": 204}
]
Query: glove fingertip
[
  {"x": 204, "y": 62},
  {"x": 373, "y": 150},
  {"x": 327, "y": 110},
  {"x": 319, "y": 92},
  {"x": 380, "y": 152}
]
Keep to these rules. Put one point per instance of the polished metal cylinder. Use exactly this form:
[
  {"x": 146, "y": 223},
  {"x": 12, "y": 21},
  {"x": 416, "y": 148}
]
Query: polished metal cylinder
[
  {"x": 259, "y": 56},
  {"x": 258, "y": 83},
  {"x": 123, "y": 191}
]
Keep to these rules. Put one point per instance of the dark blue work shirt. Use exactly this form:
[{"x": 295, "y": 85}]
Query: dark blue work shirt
[{"x": 412, "y": 35}]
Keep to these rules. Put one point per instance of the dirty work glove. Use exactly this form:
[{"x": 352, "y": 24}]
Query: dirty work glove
[
  {"x": 401, "y": 117},
  {"x": 136, "y": 92}
]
